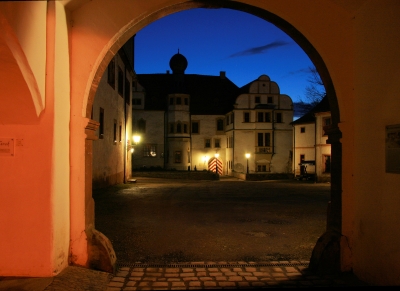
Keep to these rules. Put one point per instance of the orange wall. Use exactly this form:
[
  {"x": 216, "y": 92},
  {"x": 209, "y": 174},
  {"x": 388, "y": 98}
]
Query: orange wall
[{"x": 356, "y": 39}]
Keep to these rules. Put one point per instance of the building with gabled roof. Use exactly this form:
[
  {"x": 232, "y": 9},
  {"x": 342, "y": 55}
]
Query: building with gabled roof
[
  {"x": 193, "y": 122},
  {"x": 312, "y": 153}
]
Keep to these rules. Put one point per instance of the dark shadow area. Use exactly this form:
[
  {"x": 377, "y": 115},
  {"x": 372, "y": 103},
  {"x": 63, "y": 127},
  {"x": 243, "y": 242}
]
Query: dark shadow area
[{"x": 166, "y": 221}]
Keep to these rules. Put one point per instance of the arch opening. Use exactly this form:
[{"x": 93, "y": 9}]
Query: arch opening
[{"x": 333, "y": 231}]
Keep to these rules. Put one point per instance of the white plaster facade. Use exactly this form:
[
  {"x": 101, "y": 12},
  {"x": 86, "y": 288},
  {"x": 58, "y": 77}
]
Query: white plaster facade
[
  {"x": 113, "y": 112},
  {"x": 312, "y": 153},
  {"x": 261, "y": 127}
]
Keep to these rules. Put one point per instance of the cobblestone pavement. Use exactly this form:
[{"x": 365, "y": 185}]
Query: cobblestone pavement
[
  {"x": 185, "y": 276},
  {"x": 225, "y": 275}
]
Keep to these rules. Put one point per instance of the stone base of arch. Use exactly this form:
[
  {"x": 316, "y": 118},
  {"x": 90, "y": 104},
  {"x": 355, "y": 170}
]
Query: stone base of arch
[
  {"x": 325, "y": 258},
  {"x": 101, "y": 254}
]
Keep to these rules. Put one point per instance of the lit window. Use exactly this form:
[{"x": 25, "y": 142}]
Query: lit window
[
  {"x": 150, "y": 150},
  {"x": 178, "y": 157}
]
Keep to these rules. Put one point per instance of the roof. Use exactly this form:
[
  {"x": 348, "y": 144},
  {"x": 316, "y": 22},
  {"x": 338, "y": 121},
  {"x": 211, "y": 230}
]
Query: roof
[
  {"x": 209, "y": 95},
  {"x": 309, "y": 117}
]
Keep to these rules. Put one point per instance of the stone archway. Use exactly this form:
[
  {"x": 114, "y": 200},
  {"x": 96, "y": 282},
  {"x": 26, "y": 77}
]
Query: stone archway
[{"x": 326, "y": 255}]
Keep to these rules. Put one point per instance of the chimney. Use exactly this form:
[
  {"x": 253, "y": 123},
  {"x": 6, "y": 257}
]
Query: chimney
[{"x": 222, "y": 75}]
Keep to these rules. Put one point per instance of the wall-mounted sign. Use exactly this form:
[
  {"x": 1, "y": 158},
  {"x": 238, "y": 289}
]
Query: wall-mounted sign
[
  {"x": 6, "y": 147},
  {"x": 393, "y": 148}
]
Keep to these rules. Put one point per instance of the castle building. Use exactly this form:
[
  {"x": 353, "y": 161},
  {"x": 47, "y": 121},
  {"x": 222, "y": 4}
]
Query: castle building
[{"x": 197, "y": 122}]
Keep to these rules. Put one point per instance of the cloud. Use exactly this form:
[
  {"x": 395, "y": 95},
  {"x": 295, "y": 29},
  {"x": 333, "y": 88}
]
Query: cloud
[
  {"x": 260, "y": 49},
  {"x": 300, "y": 71}
]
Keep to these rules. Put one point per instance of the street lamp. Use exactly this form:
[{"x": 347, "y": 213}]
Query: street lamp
[
  {"x": 136, "y": 139},
  {"x": 216, "y": 163},
  {"x": 247, "y": 157}
]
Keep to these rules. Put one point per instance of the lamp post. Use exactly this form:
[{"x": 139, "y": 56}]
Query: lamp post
[
  {"x": 216, "y": 163},
  {"x": 247, "y": 157}
]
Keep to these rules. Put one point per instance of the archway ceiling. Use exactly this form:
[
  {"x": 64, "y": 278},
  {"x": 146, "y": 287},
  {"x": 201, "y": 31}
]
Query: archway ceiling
[{"x": 349, "y": 6}]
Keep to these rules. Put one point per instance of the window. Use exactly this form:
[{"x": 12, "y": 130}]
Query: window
[
  {"x": 171, "y": 128},
  {"x": 150, "y": 150},
  {"x": 327, "y": 163},
  {"x": 326, "y": 122},
  {"x": 207, "y": 143},
  {"x": 186, "y": 101},
  {"x": 257, "y": 99},
  {"x": 227, "y": 120},
  {"x": 178, "y": 157},
  {"x": 278, "y": 117},
  {"x": 302, "y": 158},
  {"x": 179, "y": 128},
  {"x": 267, "y": 117},
  {"x": 111, "y": 73},
  {"x": 232, "y": 117},
  {"x": 141, "y": 125},
  {"x": 264, "y": 139},
  {"x": 178, "y": 100},
  {"x": 220, "y": 125},
  {"x": 120, "y": 82},
  {"x": 185, "y": 128},
  {"x": 246, "y": 117},
  {"x": 263, "y": 168},
  {"x": 101, "y": 121},
  {"x": 260, "y": 116},
  {"x": 171, "y": 101},
  {"x": 217, "y": 143},
  {"x": 136, "y": 101},
  {"x": 127, "y": 91},
  {"x": 270, "y": 99},
  {"x": 195, "y": 127},
  {"x": 302, "y": 129},
  {"x": 115, "y": 131}
]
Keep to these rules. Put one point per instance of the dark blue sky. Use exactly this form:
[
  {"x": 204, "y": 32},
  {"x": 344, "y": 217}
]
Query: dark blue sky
[{"x": 214, "y": 40}]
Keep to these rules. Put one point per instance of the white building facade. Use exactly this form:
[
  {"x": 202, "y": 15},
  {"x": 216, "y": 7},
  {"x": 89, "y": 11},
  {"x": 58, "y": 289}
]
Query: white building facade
[
  {"x": 112, "y": 110},
  {"x": 194, "y": 122},
  {"x": 312, "y": 153}
]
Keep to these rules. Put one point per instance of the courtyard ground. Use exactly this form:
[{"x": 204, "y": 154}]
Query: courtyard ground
[{"x": 161, "y": 221}]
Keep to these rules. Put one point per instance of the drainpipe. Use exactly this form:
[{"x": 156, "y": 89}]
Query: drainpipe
[
  {"x": 125, "y": 148},
  {"x": 315, "y": 148},
  {"x": 294, "y": 152}
]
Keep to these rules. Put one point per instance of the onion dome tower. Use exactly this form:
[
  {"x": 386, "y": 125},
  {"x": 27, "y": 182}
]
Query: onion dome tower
[
  {"x": 178, "y": 63},
  {"x": 177, "y": 143}
]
